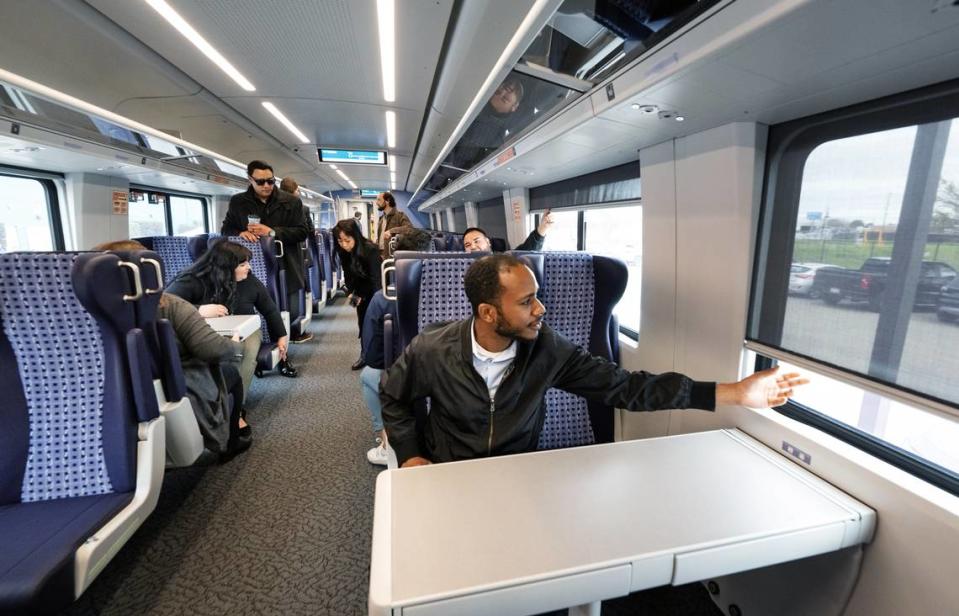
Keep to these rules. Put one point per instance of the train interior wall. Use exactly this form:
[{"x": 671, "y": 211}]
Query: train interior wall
[{"x": 701, "y": 196}]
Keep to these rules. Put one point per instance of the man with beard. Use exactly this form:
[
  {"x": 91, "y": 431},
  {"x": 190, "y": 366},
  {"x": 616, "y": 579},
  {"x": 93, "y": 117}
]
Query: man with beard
[
  {"x": 487, "y": 376},
  {"x": 392, "y": 220}
]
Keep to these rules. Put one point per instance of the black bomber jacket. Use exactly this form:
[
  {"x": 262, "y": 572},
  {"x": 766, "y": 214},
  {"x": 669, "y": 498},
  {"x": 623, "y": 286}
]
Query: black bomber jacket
[{"x": 464, "y": 423}]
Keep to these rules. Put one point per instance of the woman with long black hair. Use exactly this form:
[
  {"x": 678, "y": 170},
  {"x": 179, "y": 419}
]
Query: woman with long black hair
[
  {"x": 361, "y": 261},
  {"x": 218, "y": 284}
]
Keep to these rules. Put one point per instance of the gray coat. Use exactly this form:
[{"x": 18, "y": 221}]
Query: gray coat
[{"x": 201, "y": 351}]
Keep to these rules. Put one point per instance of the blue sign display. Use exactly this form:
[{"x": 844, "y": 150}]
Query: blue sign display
[
  {"x": 366, "y": 192},
  {"x": 353, "y": 157}
]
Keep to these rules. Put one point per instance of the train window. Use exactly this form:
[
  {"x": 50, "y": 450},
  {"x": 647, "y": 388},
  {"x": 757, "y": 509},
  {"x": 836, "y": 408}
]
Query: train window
[
  {"x": 28, "y": 219},
  {"x": 147, "y": 216},
  {"x": 906, "y": 427},
  {"x": 564, "y": 235},
  {"x": 157, "y": 213},
  {"x": 857, "y": 268},
  {"x": 618, "y": 232},
  {"x": 188, "y": 215}
]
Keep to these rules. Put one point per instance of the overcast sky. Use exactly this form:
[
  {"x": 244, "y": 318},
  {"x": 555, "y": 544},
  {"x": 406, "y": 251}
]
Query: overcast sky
[{"x": 855, "y": 178}]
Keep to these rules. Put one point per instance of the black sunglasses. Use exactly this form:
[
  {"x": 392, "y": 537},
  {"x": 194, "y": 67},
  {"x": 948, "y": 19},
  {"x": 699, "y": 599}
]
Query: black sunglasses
[{"x": 270, "y": 181}]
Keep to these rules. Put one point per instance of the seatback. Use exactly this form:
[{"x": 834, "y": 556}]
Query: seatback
[
  {"x": 323, "y": 252},
  {"x": 160, "y": 338},
  {"x": 440, "y": 240},
  {"x": 498, "y": 244},
  {"x": 265, "y": 265},
  {"x": 314, "y": 266},
  {"x": 454, "y": 242},
  {"x": 177, "y": 252},
  {"x": 75, "y": 377},
  {"x": 579, "y": 291},
  {"x": 429, "y": 288}
]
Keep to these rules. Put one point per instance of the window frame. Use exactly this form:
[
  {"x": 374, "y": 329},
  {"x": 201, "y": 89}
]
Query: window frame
[
  {"x": 581, "y": 237},
  {"x": 789, "y": 147},
  {"x": 48, "y": 183},
  {"x": 929, "y": 472},
  {"x": 167, "y": 209}
]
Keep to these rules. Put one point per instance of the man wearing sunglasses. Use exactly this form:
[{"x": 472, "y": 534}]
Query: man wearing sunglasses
[{"x": 264, "y": 210}]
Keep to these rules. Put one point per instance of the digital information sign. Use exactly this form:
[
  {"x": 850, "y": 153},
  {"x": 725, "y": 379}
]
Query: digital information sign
[
  {"x": 367, "y": 192},
  {"x": 353, "y": 157}
]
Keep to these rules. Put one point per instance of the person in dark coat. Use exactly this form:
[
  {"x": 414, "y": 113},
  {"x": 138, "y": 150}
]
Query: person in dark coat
[
  {"x": 361, "y": 262},
  {"x": 277, "y": 214},
  {"x": 219, "y": 284}
]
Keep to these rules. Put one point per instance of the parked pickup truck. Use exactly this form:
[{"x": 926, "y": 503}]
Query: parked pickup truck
[{"x": 834, "y": 284}]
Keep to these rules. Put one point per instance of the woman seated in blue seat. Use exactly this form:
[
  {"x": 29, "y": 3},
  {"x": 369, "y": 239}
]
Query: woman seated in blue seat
[
  {"x": 361, "y": 267},
  {"x": 219, "y": 284},
  {"x": 210, "y": 365}
]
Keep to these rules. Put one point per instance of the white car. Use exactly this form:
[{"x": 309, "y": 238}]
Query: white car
[{"x": 801, "y": 276}]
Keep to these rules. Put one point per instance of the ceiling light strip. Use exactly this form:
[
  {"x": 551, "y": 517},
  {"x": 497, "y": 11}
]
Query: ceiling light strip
[
  {"x": 386, "y": 21},
  {"x": 285, "y": 121},
  {"x": 391, "y": 129},
  {"x": 534, "y": 19},
  {"x": 184, "y": 28},
  {"x": 37, "y": 89}
]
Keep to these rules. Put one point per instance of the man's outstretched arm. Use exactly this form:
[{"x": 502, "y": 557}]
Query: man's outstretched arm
[{"x": 763, "y": 389}]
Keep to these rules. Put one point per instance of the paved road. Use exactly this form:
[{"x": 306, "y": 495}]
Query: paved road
[{"x": 843, "y": 335}]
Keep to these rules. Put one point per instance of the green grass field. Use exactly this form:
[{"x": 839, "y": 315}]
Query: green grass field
[{"x": 849, "y": 254}]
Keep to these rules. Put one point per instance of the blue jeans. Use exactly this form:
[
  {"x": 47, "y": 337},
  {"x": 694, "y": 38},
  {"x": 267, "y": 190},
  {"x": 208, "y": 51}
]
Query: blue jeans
[{"x": 370, "y": 385}]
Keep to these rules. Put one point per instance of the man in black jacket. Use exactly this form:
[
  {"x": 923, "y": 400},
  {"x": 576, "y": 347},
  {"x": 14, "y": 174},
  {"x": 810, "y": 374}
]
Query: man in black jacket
[
  {"x": 487, "y": 376},
  {"x": 277, "y": 214}
]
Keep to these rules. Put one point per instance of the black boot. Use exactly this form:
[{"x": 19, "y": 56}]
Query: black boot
[
  {"x": 287, "y": 369},
  {"x": 358, "y": 364}
]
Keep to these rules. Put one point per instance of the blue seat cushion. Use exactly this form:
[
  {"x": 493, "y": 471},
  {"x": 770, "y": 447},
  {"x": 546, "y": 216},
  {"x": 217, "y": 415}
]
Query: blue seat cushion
[{"x": 39, "y": 541}]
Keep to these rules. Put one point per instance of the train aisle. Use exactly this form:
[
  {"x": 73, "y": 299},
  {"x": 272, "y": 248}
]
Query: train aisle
[{"x": 282, "y": 529}]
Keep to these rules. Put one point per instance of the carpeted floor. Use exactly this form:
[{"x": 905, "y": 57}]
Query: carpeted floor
[{"x": 284, "y": 528}]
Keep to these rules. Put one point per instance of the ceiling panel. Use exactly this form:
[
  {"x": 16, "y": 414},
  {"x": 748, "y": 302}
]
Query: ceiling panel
[
  {"x": 45, "y": 42},
  {"x": 317, "y": 61}
]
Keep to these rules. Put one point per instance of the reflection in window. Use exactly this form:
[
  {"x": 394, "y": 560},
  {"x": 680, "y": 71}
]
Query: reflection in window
[
  {"x": 187, "y": 214},
  {"x": 161, "y": 145},
  {"x": 618, "y": 232},
  {"x": 588, "y": 39},
  {"x": 564, "y": 234},
  {"x": 517, "y": 102},
  {"x": 24, "y": 215},
  {"x": 115, "y": 132},
  {"x": 880, "y": 258},
  {"x": 225, "y": 167}
]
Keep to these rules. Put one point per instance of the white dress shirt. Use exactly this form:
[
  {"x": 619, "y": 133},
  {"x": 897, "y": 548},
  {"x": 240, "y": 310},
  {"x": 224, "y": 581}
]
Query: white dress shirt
[{"x": 491, "y": 366}]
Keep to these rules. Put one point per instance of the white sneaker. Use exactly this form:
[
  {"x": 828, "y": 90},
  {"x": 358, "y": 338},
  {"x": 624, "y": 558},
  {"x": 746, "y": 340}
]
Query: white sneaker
[{"x": 377, "y": 455}]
